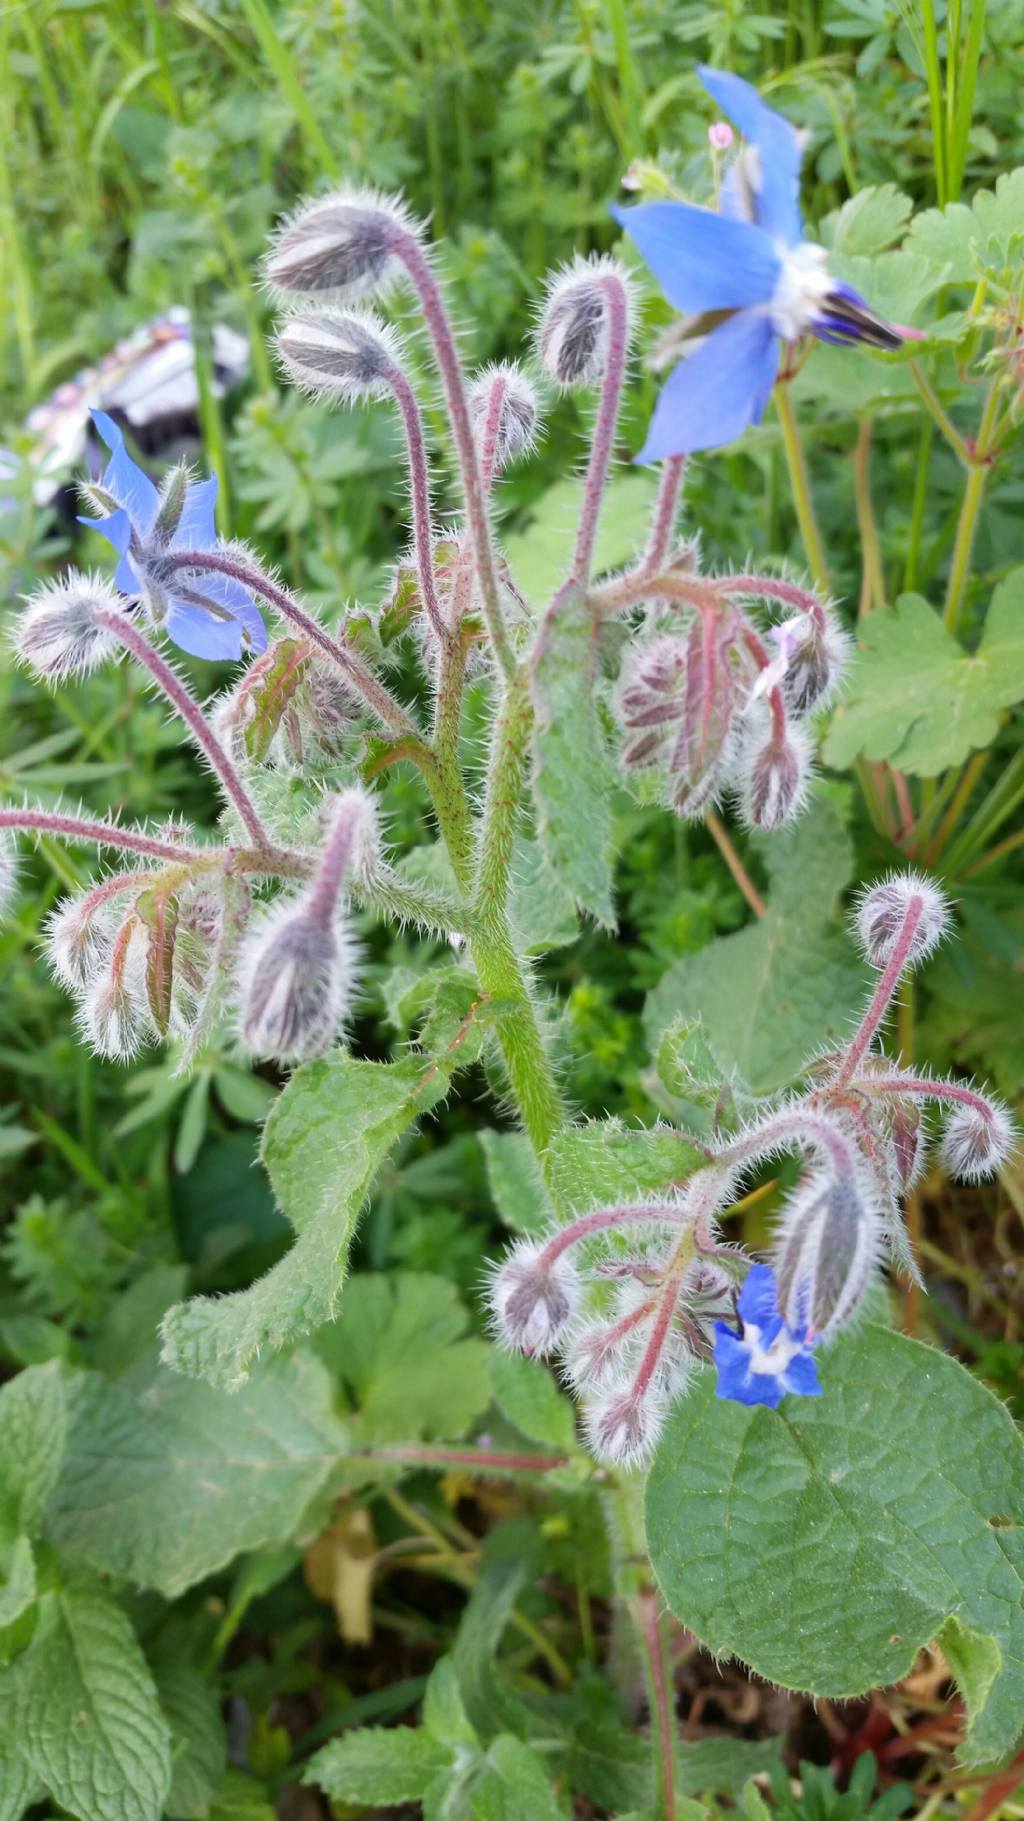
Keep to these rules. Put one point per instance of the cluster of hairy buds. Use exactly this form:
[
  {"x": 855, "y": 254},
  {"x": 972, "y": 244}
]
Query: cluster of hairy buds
[
  {"x": 631, "y": 1324},
  {"x": 291, "y": 708},
  {"x": 701, "y": 701},
  {"x": 586, "y": 306}
]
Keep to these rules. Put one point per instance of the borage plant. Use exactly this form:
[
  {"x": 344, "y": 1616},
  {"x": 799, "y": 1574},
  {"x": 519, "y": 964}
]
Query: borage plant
[{"x": 804, "y": 1507}]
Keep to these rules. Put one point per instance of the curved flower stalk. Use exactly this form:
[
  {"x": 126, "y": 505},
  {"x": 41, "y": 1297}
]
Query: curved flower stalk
[
  {"x": 745, "y": 279},
  {"x": 681, "y": 1298}
]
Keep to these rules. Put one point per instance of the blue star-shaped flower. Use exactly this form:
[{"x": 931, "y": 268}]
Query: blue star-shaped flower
[
  {"x": 767, "y": 1358},
  {"x": 750, "y": 272},
  {"x": 207, "y": 614}
]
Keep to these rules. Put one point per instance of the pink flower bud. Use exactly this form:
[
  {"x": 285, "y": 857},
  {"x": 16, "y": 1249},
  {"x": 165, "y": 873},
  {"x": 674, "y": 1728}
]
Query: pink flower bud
[
  {"x": 720, "y": 135},
  {"x": 623, "y": 1427},
  {"x": 340, "y": 247},
  {"x": 774, "y": 775},
  {"x": 977, "y": 1140},
  {"x": 518, "y": 413},
  {"x": 572, "y": 336},
  {"x": 533, "y": 1299},
  {"x": 59, "y": 635},
  {"x": 903, "y": 901},
  {"x": 346, "y": 355}
]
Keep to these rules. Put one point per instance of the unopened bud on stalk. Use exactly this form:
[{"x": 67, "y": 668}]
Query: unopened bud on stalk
[
  {"x": 907, "y": 1142},
  {"x": 817, "y": 664},
  {"x": 8, "y": 874},
  {"x": 340, "y": 247},
  {"x": 977, "y": 1140},
  {"x": 505, "y": 390},
  {"x": 80, "y": 938},
  {"x": 348, "y": 355},
  {"x": 884, "y": 911},
  {"x": 826, "y": 1252},
  {"x": 60, "y": 633},
  {"x": 574, "y": 329},
  {"x": 298, "y": 974},
  {"x": 533, "y": 1299},
  {"x": 114, "y": 1015},
  {"x": 773, "y": 777},
  {"x": 623, "y": 1426}
]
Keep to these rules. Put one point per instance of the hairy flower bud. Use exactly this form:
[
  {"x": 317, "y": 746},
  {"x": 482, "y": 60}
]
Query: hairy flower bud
[
  {"x": 679, "y": 704},
  {"x": 533, "y": 1299},
  {"x": 573, "y": 334},
  {"x": 826, "y": 1252},
  {"x": 114, "y": 1014},
  {"x": 59, "y": 635},
  {"x": 773, "y": 777},
  {"x": 505, "y": 390},
  {"x": 297, "y": 973},
  {"x": 80, "y": 937},
  {"x": 623, "y": 1427},
  {"x": 339, "y": 247},
  {"x": 908, "y": 1143},
  {"x": 884, "y": 911},
  {"x": 8, "y": 874},
  {"x": 816, "y": 665},
  {"x": 977, "y": 1140},
  {"x": 348, "y": 355}
]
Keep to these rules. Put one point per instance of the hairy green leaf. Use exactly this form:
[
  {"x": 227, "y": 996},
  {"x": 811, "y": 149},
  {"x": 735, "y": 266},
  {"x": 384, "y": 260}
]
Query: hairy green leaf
[
  {"x": 572, "y": 774},
  {"x": 33, "y": 1425},
  {"x": 379, "y": 1766},
  {"x": 528, "y": 1396},
  {"x": 166, "y": 1481},
  {"x": 918, "y": 698},
  {"x": 400, "y": 1346},
  {"x": 607, "y": 1161},
  {"x": 826, "y": 1542},
  {"x": 323, "y": 1143}
]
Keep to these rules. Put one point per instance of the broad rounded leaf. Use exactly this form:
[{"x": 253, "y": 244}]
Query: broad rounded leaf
[{"x": 825, "y": 1543}]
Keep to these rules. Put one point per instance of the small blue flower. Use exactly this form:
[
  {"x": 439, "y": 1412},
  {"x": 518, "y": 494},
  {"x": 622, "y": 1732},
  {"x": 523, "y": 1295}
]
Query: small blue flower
[
  {"x": 767, "y": 1358},
  {"x": 207, "y": 614},
  {"x": 749, "y": 265}
]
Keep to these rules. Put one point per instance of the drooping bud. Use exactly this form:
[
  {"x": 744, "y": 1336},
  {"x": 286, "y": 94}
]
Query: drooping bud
[
  {"x": 827, "y": 1248},
  {"x": 80, "y": 936},
  {"x": 503, "y": 407},
  {"x": 773, "y": 777},
  {"x": 347, "y": 355},
  {"x": 908, "y": 1142},
  {"x": 173, "y": 490},
  {"x": 816, "y": 665},
  {"x": 340, "y": 247},
  {"x": 60, "y": 634},
  {"x": 623, "y": 1427},
  {"x": 977, "y": 1140},
  {"x": 533, "y": 1298},
  {"x": 904, "y": 902},
  {"x": 680, "y": 701},
  {"x": 297, "y": 973},
  {"x": 8, "y": 874},
  {"x": 573, "y": 334},
  {"x": 114, "y": 1016}
]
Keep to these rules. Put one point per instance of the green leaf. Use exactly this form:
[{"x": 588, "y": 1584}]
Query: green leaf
[
  {"x": 323, "y": 1143},
  {"x": 167, "y": 1481},
  {"x": 268, "y": 698},
  {"x": 540, "y": 553},
  {"x": 17, "y": 1598},
  {"x": 827, "y": 1542},
  {"x": 198, "y": 1743},
  {"x": 33, "y": 1424},
  {"x": 400, "y": 1346},
  {"x": 515, "y": 1783},
  {"x": 240, "y": 1798},
  {"x": 444, "y": 1713},
  {"x": 572, "y": 774},
  {"x": 528, "y": 1396},
  {"x": 918, "y": 698},
  {"x": 380, "y": 1766},
  {"x": 510, "y": 1556},
  {"x": 515, "y": 1181},
  {"x": 869, "y": 222},
  {"x": 19, "y": 1785},
  {"x": 720, "y": 1767},
  {"x": 775, "y": 992},
  {"x": 540, "y": 911},
  {"x": 965, "y": 242},
  {"x": 606, "y": 1161},
  {"x": 86, "y": 1711}
]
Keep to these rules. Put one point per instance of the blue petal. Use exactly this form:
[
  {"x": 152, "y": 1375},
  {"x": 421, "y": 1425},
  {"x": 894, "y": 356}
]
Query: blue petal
[
  {"x": 715, "y": 392},
  {"x": 758, "y": 1300},
  {"x": 124, "y": 478},
  {"x": 230, "y": 594},
  {"x": 200, "y": 634},
  {"x": 116, "y": 528},
  {"x": 801, "y": 1376},
  {"x": 197, "y": 526},
  {"x": 736, "y": 1382},
  {"x": 778, "y": 146},
  {"x": 702, "y": 261}
]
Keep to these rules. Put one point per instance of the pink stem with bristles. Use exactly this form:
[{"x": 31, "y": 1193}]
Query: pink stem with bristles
[
  {"x": 617, "y": 309},
  {"x": 887, "y": 984}
]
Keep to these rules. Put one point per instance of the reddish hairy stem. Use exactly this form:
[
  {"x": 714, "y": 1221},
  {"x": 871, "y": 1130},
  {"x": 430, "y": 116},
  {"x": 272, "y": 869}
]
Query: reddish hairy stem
[
  {"x": 927, "y": 1090},
  {"x": 422, "y": 526},
  {"x": 789, "y": 1128},
  {"x": 491, "y": 1459},
  {"x": 882, "y": 994},
  {"x": 491, "y": 426},
  {"x": 449, "y": 366},
  {"x": 768, "y": 588},
  {"x": 617, "y": 309},
  {"x": 334, "y": 861},
  {"x": 384, "y": 705},
  {"x": 659, "y": 1333},
  {"x": 650, "y": 1633},
  {"x": 666, "y": 1214},
  {"x": 102, "y": 834},
  {"x": 663, "y": 518},
  {"x": 188, "y": 708}
]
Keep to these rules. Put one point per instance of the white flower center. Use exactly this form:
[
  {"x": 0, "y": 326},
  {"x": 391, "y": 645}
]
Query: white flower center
[
  {"x": 801, "y": 288},
  {"x": 771, "y": 1361}
]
